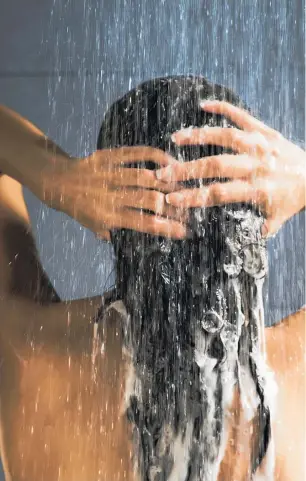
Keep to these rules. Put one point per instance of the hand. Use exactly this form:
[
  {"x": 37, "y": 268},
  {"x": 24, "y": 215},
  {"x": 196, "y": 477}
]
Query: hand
[
  {"x": 267, "y": 170},
  {"x": 102, "y": 194}
]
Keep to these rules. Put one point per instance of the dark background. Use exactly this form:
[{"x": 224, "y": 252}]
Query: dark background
[{"x": 63, "y": 62}]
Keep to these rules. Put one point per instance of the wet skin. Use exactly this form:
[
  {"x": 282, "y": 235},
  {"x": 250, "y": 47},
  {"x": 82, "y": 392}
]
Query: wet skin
[{"x": 59, "y": 423}]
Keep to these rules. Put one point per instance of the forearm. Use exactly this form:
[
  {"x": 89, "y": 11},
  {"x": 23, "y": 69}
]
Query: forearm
[{"x": 25, "y": 152}]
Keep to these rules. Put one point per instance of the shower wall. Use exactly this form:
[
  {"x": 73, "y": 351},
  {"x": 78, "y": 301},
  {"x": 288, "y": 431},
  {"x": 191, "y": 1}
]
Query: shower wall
[{"x": 63, "y": 62}]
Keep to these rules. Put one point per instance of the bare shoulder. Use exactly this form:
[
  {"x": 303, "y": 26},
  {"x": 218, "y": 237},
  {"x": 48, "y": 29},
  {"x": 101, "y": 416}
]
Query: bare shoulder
[
  {"x": 52, "y": 326},
  {"x": 59, "y": 401},
  {"x": 286, "y": 357}
]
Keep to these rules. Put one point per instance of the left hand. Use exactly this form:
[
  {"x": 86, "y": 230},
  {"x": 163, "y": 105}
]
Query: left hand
[{"x": 267, "y": 170}]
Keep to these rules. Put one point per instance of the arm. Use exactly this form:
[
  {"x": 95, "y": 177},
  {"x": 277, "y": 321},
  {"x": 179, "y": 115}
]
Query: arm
[
  {"x": 28, "y": 157},
  {"x": 269, "y": 171},
  {"x": 21, "y": 273},
  {"x": 266, "y": 169},
  {"x": 12, "y": 200},
  {"x": 25, "y": 152},
  {"x": 98, "y": 191}
]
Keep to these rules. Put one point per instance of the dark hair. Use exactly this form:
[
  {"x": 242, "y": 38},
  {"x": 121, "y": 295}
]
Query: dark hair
[
  {"x": 150, "y": 113},
  {"x": 194, "y": 305}
]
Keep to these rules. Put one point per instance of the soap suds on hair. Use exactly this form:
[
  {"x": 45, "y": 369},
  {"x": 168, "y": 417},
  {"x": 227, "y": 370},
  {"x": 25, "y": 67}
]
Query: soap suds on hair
[{"x": 193, "y": 328}]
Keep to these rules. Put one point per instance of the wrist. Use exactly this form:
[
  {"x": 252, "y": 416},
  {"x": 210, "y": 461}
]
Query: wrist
[
  {"x": 47, "y": 183},
  {"x": 26, "y": 154}
]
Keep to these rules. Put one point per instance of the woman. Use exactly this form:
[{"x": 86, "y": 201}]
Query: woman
[{"x": 62, "y": 384}]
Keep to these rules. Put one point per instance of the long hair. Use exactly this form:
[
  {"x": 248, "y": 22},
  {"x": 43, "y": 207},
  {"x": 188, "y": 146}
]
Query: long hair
[{"x": 194, "y": 306}]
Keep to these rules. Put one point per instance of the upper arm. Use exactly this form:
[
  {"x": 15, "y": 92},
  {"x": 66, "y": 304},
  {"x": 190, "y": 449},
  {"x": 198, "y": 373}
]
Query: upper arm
[
  {"x": 12, "y": 200},
  {"x": 21, "y": 273}
]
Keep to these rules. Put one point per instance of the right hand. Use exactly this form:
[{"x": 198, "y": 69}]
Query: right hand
[{"x": 101, "y": 193}]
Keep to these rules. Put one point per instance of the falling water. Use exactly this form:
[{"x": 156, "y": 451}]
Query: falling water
[{"x": 98, "y": 50}]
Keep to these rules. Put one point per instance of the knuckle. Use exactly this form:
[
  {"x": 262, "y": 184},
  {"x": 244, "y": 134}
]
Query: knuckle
[
  {"x": 259, "y": 149},
  {"x": 216, "y": 193},
  {"x": 276, "y": 152},
  {"x": 155, "y": 196},
  {"x": 214, "y": 165},
  {"x": 145, "y": 175},
  {"x": 179, "y": 169},
  {"x": 153, "y": 224},
  {"x": 234, "y": 135},
  {"x": 263, "y": 170}
]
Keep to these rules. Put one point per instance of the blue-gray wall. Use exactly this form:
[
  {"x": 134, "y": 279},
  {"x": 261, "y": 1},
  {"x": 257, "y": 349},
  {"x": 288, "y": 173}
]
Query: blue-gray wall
[{"x": 63, "y": 62}]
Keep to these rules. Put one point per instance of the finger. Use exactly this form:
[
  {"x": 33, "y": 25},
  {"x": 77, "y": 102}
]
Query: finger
[
  {"x": 149, "y": 224},
  {"x": 128, "y": 218},
  {"x": 235, "y": 139},
  {"x": 144, "y": 178},
  {"x": 225, "y": 165},
  {"x": 103, "y": 182},
  {"x": 216, "y": 194},
  {"x": 149, "y": 200},
  {"x": 140, "y": 153},
  {"x": 239, "y": 116},
  {"x": 125, "y": 155}
]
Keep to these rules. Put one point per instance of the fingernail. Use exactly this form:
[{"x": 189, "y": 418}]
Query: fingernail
[
  {"x": 164, "y": 174},
  {"x": 174, "y": 198},
  {"x": 207, "y": 103}
]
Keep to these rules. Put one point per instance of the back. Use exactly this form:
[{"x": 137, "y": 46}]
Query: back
[{"x": 61, "y": 394}]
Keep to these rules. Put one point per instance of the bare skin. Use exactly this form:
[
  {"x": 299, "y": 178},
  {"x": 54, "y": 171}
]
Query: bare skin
[
  {"x": 98, "y": 190},
  {"x": 59, "y": 423},
  {"x": 263, "y": 170},
  {"x": 102, "y": 194}
]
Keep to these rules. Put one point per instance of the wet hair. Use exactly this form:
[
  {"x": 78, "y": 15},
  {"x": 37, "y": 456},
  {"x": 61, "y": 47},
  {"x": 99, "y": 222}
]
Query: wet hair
[{"x": 194, "y": 306}]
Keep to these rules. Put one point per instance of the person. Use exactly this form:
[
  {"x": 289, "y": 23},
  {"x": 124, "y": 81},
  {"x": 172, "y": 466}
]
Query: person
[{"x": 62, "y": 384}]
